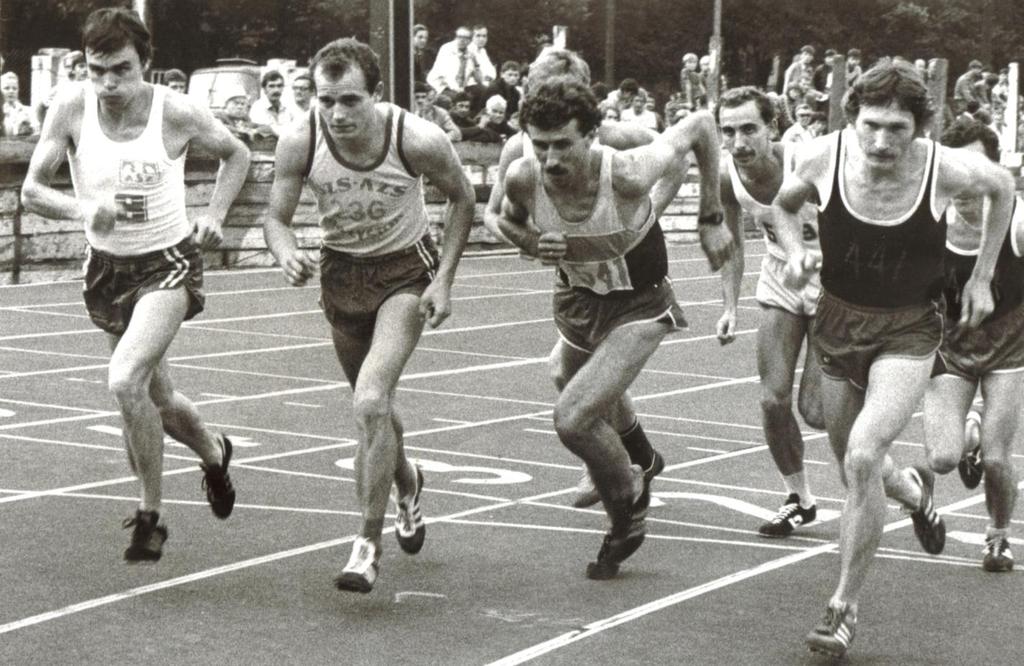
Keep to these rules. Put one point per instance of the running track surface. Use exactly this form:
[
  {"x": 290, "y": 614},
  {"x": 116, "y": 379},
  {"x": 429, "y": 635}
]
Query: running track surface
[{"x": 501, "y": 577}]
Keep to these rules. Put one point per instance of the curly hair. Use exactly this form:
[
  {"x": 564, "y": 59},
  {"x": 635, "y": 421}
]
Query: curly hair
[
  {"x": 965, "y": 132},
  {"x": 337, "y": 57},
  {"x": 888, "y": 83},
  {"x": 734, "y": 97},
  {"x": 555, "y": 102}
]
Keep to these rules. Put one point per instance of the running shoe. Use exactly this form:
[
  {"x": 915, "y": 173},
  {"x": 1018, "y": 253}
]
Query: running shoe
[
  {"x": 217, "y": 483},
  {"x": 409, "y": 527},
  {"x": 619, "y": 544},
  {"x": 587, "y": 495},
  {"x": 835, "y": 633},
  {"x": 790, "y": 516},
  {"x": 928, "y": 525},
  {"x": 970, "y": 467},
  {"x": 997, "y": 555},
  {"x": 148, "y": 537},
  {"x": 360, "y": 573}
]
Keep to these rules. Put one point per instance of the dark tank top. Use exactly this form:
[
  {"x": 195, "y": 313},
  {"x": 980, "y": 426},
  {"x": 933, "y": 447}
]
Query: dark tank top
[
  {"x": 1007, "y": 279},
  {"x": 882, "y": 265}
]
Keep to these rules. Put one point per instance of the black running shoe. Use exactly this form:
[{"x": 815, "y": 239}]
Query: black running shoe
[
  {"x": 657, "y": 467},
  {"x": 360, "y": 573},
  {"x": 970, "y": 467},
  {"x": 409, "y": 527},
  {"x": 928, "y": 525},
  {"x": 790, "y": 516},
  {"x": 619, "y": 544},
  {"x": 217, "y": 483},
  {"x": 148, "y": 537},
  {"x": 835, "y": 633},
  {"x": 997, "y": 555}
]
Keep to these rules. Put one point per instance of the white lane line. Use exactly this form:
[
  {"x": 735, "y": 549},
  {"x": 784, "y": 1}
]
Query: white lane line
[
  {"x": 637, "y": 612},
  {"x": 308, "y": 405}
]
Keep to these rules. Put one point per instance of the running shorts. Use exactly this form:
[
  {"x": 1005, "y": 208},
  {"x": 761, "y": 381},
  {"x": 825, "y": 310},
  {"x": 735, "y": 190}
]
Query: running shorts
[
  {"x": 114, "y": 284},
  {"x": 849, "y": 338},
  {"x": 584, "y": 319},
  {"x": 996, "y": 346},
  {"x": 772, "y": 291},
  {"x": 354, "y": 287}
]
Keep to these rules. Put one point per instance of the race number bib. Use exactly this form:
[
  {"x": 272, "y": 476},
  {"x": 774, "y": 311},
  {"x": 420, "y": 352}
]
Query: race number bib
[
  {"x": 131, "y": 207},
  {"x": 600, "y": 277}
]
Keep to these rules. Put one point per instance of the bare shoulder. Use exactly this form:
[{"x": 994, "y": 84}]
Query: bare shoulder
[
  {"x": 512, "y": 150},
  {"x": 961, "y": 170},
  {"x": 812, "y": 159},
  {"x": 66, "y": 111},
  {"x": 425, "y": 145},
  {"x": 184, "y": 114},
  {"x": 519, "y": 179},
  {"x": 293, "y": 148},
  {"x": 623, "y": 136}
]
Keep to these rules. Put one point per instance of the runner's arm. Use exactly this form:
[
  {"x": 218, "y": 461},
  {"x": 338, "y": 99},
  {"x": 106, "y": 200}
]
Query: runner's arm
[
  {"x": 732, "y": 269},
  {"x": 796, "y": 190},
  {"x": 37, "y": 195},
  {"x": 511, "y": 151},
  {"x": 289, "y": 172}
]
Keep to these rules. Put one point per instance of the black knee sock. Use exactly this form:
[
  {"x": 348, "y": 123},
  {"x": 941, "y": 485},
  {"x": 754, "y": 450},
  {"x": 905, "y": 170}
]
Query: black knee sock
[{"x": 637, "y": 445}]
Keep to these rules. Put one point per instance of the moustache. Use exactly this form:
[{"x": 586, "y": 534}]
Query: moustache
[{"x": 556, "y": 171}]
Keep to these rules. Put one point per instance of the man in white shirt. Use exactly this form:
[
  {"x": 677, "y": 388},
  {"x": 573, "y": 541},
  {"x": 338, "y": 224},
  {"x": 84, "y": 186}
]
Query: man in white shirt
[
  {"x": 270, "y": 109},
  {"x": 800, "y": 131}
]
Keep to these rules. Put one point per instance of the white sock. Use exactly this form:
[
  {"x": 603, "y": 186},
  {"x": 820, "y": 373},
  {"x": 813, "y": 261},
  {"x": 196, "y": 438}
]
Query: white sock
[{"x": 797, "y": 483}]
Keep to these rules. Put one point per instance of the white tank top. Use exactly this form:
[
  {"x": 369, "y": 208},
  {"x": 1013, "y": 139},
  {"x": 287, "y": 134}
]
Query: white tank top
[
  {"x": 597, "y": 246},
  {"x": 148, "y": 186},
  {"x": 763, "y": 215},
  {"x": 368, "y": 211}
]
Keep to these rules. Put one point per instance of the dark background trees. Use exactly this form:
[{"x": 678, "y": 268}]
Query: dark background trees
[{"x": 650, "y": 37}]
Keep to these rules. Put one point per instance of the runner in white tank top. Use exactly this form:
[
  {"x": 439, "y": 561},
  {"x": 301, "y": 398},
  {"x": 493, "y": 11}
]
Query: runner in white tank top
[
  {"x": 380, "y": 277},
  {"x": 126, "y": 140},
  {"x": 753, "y": 168}
]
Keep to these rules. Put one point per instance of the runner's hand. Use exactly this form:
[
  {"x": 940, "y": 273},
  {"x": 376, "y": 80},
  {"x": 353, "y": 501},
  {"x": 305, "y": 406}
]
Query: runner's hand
[
  {"x": 717, "y": 242},
  {"x": 209, "y": 232},
  {"x": 726, "y": 327},
  {"x": 800, "y": 268},
  {"x": 435, "y": 304},
  {"x": 299, "y": 266},
  {"x": 977, "y": 303},
  {"x": 551, "y": 247}
]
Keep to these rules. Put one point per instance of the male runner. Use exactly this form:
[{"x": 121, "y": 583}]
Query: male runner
[
  {"x": 751, "y": 176},
  {"x": 380, "y": 276},
  {"x": 126, "y": 141},
  {"x": 882, "y": 189},
  {"x": 715, "y": 240},
  {"x": 592, "y": 217},
  {"x": 991, "y": 356}
]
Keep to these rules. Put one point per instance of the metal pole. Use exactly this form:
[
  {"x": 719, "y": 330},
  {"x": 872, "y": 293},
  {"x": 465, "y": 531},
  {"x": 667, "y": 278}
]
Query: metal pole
[
  {"x": 391, "y": 39},
  {"x": 1009, "y": 143},
  {"x": 836, "y": 116},
  {"x": 938, "y": 70},
  {"x": 715, "y": 53},
  {"x": 609, "y": 43}
]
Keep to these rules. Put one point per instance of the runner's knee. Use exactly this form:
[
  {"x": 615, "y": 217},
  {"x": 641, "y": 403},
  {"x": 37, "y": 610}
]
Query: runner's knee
[
  {"x": 126, "y": 385},
  {"x": 572, "y": 422},
  {"x": 776, "y": 404},
  {"x": 861, "y": 463},
  {"x": 942, "y": 462},
  {"x": 371, "y": 405}
]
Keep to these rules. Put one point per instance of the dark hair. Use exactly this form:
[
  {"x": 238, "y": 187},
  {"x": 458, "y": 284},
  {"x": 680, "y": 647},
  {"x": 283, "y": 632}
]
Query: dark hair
[
  {"x": 270, "y": 77},
  {"x": 830, "y": 52},
  {"x": 510, "y": 65},
  {"x": 975, "y": 64},
  {"x": 419, "y": 26},
  {"x": 807, "y": 48},
  {"x": 421, "y": 87},
  {"x": 965, "y": 132},
  {"x": 630, "y": 86},
  {"x": 553, "y": 103},
  {"x": 337, "y": 57},
  {"x": 889, "y": 83},
  {"x": 734, "y": 97},
  {"x": 112, "y": 28},
  {"x": 461, "y": 96},
  {"x": 853, "y": 53},
  {"x": 600, "y": 90},
  {"x": 973, "y": 106},
  {"x": 304, "y": 77},
  {"x": 175, "y": 75}
]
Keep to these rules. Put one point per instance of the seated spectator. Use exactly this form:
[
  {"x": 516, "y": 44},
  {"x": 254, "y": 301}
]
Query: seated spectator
[
  {"x": 462, "y": 114},
  {"x": 507, "y": 86},
  {"x": 302, "y": 92},
  {"x": 639, "y": 113},
  {"x": 18, "y": 118},
  {"x": 425, "y": 108},
  {"x": 269, "y": 109},
  {"x": 494, "y": 116},
  {"x": 623, "y": 96},
  {"x": 176, "y": 80},
  {"x": 819, "y": 124},
  {"x": 800, "y": 132},
  {"x": 235, "y": 117},
  {"x": 609, "y": 113}
]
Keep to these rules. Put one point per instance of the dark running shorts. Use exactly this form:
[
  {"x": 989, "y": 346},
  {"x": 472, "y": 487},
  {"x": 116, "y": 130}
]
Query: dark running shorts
[
  {"x": 849, "y": 338},
  {"x": 353, "y": 288},
  {"x": 113, "y": 284},
  {"x": 584, "y": 319},
  {"x": 994, "y": 347}
]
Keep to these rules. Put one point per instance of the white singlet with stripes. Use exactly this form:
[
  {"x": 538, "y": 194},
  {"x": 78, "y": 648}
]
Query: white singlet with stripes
[
  {"x": 368, "y": 211},
  {"x": 147, "y": 185},
  {"x": 763, "y": 215}
]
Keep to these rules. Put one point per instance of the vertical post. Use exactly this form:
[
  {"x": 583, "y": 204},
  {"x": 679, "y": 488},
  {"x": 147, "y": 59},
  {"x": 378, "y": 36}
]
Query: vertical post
[
  {"x": 560, "y": 36},
  {"x": 609, "y": 43},
  {"x": 836, "y": 92},
  {"x": 141, "y": 8},
  {"x": 1009, "y": 140},
  {"x": 938, "y": 71},
  {"x": 391, "y": 39},
  {"x": 715, "y": 54}
]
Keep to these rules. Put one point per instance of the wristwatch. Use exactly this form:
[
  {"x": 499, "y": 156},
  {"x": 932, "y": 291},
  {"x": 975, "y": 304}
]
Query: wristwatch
[{"x": 714, "y": 219}]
